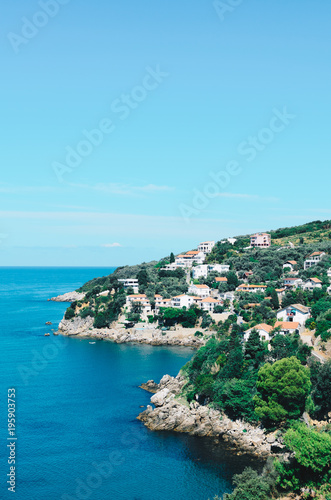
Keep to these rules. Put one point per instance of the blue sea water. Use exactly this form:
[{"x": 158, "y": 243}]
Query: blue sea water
[{"x": 76, "y": 407}]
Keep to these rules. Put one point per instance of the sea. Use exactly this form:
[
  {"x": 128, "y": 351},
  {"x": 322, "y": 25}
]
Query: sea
[{"x": 75, "y": 434}]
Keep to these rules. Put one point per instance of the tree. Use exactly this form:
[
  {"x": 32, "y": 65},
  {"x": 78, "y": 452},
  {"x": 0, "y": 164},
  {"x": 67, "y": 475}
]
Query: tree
[
  {"x": 232, "y": 280},
  {"x": 236, "y": 398},
  {"x": 274, "y": 299},
  {"x": 282, "y": 390},
  {"x": 321, "y": 393},
  {"x": 249, "y": 486},
  {"x": 142, "y": 277},
  {"x": 172, "y": 258},
  {"x": 312, "y": 458},
  {"x": 255, "y": 349},
  {"x": 70, "y": 313}
]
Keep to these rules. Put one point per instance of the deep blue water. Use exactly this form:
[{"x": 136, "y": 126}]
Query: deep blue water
[{"x": 77, "y": 433}]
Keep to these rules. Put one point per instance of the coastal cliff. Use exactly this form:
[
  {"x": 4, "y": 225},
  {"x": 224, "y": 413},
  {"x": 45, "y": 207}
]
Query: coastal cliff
[{"x": 173, "y": 413}]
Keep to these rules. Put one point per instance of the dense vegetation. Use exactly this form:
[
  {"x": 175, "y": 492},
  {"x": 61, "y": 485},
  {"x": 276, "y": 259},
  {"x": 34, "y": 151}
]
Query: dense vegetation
[{"x": 269, "y": 386}]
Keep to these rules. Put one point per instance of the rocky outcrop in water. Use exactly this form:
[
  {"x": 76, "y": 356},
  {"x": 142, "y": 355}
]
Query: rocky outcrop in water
[
  {"x": 119, "y": 334},
  {"x": 76, "y": 326},
  {"x": 68, "y": 297},
  {"x": 172, "y": 413}
]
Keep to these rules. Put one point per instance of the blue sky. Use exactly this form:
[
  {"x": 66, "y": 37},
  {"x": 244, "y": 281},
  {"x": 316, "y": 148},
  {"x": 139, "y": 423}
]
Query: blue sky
[{"x": 174, "y": 95}]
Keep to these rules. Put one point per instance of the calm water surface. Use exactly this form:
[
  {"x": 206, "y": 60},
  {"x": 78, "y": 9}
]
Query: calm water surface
[{"x": 77, "y": 433}]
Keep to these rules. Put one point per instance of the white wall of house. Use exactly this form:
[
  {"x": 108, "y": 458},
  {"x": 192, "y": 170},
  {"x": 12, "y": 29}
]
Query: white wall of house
[
  {"x": 182, "y": 301},
  {"x": 206, "y": 246},
  {"x": 291, "y": 313},
  {"x": 199, "y": 290}
]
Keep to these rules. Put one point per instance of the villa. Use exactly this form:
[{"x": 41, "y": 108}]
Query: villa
[
  {"x": 313, "y": 259},
  {"x": 206, "y": 246},
  {"x": 311, "y": 284},
  {"x": 199, "y": 290},
  {"x": 262, "y": 240},
  {"x": 294, "y": 313}
]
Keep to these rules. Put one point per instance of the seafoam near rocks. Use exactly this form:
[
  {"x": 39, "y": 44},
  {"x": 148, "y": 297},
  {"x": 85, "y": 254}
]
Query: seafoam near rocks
[{"x": 172, "y": 414}]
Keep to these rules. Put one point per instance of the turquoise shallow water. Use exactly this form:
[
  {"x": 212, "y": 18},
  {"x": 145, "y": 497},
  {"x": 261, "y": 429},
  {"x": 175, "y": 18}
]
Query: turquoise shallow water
[{"x": 77, "y": 433}]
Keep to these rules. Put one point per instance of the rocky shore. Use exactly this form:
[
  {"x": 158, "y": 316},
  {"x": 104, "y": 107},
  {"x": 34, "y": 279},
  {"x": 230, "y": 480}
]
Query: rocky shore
[
  {"x": 83, "y": 327},
  {"x": 173, "y": 413},
  {"x": 68, "y": 297}
]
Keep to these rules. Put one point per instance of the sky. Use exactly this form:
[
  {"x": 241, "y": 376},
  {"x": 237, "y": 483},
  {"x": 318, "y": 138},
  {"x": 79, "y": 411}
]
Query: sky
[{"x": 135, "y": 129}]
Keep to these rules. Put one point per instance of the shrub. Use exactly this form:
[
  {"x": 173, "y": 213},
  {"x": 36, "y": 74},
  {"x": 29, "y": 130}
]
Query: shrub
[
  {"x": 69, "y": 314},
  {"x": 87, "y": 311}
]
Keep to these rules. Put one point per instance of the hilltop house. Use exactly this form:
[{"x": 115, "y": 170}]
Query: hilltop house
[
  {"x": 313, "y": 259},
  {"x": 290, "y": 264},
  {"x": 199, "y": 290},
  {"x": 206, "y": 247},
  {"x": 294, "y": 313},
  {"x": 262, "y": 240},
  {"x": 311, "y": 284},
  {"x": 188, "y": 259},
  {"x": 130, "y": 283}
]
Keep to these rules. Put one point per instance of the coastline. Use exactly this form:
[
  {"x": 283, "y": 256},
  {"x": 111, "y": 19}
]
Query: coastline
[
  {"x": 173, "y": 413},
  {"x": 83, "y": 328}
]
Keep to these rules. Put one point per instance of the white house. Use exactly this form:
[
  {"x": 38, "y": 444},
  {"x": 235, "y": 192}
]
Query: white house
[
  {"x": 313, "y": 259},
  {"x": 292, "y": 282},
  {"x": 311, "y": 284},
  {"x": 294, "y": 313},
  {"x": 290, "y": 264},
  {"x": 251, "y": 288},
  {"x": 262, "y": 240},
  {"x": 219, "y": 280},
  {"x": 170, "y": 267},
  {"x": 263, "y": 330},
  {"x": 130, "y": 283},
  {"x": 187, "y": 260},
  {"x": 203, "y": 270},
  {"x": 206, "y": 246},
  {"x": 287, "y": 327},
  {"x": 161, "y": 302},
  {"x": 228, "y": 296},
  {"x": 182, "y": 301},
  {"x": 280, "y": 293},
  {"x": 208, "y": 304},
  {"x": 329, "y": 272},
  {"x": 200, "y": 271},
  {"x": 199, "y": 290},
  {"x": 139, "y": 299}
]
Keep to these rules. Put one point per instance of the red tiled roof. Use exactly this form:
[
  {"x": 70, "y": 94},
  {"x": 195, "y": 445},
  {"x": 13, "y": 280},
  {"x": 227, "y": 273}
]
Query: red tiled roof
[
  {"x": 287, "y": 325},
  {"x": 223, "y": 280},
  {"x": 262, "y": 326}
]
